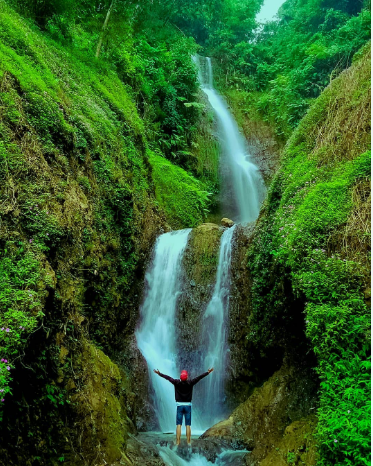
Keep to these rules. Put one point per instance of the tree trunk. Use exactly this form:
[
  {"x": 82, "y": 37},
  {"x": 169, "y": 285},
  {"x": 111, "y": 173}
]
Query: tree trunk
[{"x": 104, "y": 27}]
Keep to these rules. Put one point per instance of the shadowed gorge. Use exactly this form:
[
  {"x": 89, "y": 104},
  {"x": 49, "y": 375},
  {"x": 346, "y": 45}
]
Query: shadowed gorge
[{"x": 184, "y": 188}]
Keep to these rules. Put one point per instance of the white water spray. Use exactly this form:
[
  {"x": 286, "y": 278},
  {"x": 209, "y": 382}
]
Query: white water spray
[
  {"x": 225, "y": 458},
  {"x": 156, "y": 336},
  {"x": 245, "y": 179}
]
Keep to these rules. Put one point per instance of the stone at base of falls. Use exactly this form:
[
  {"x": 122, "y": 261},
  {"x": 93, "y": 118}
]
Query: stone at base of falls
[
  {"x": 222, "y": 430},
  {"x": 210, "y": 448},
  {"x": 276, "y": 419},
  {"x": 142, "y": 453},
  {"x": 227, "y": 222}
]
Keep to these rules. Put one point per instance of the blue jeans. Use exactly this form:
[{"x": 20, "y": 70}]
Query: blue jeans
[{"x": 181, "y": 412}]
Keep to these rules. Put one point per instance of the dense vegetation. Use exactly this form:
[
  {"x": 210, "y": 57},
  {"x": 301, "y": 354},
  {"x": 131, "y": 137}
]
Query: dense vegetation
[
  {"x": 292, "y": 59},
  {"x": 80, "y": 208},
  {"x": 105, "y": 141},
  {"x": 310, "y": 261}
]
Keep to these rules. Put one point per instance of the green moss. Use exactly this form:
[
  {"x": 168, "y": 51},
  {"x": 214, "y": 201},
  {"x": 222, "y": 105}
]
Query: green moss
[
  {"x": 298, "y": 265},
  {"x": 78, "y": 220},
  {"x": 203, "y": 249},
  {"x": 182, "y": 196},
  {"x": 100, "y": 406}
]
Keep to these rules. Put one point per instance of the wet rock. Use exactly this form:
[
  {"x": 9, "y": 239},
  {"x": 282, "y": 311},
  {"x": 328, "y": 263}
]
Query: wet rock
[
  {"x": 277, "y": 418},
  {"x": 142, "y": 410},
  {"x": 200, "y": 264},
  {"x": 210, "y": 447},
  {"x": 227, "y": 222},
  {"x": 142, "y": 453}
]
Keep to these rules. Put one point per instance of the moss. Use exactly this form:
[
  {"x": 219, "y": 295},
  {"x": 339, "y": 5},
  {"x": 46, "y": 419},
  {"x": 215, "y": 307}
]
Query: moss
[
  {"x": 205, "y": 147},
  {"x": 100, "y": 403},
  {"x": 276, "y": 423},
  {"x": 309, "y": 261},
  {"x": 75, "y": 194},
  {"x": 183, "y": 198},
  {"x": 200, "y": 261},
  {"x": 203, "y": 253},
  {"x": 297, "y": 446}
]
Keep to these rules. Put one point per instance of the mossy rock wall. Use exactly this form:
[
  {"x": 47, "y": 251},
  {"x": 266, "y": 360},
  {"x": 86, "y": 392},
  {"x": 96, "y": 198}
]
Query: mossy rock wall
[
  {"x": 309, "y": 261},
  {"x": 101, "y": 395},
  {"x": 79, "y": 218}
]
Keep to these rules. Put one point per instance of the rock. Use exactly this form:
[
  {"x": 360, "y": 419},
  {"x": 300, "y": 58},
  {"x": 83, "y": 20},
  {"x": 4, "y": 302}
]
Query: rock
[
  {"x": 209, "y": 447},
  {"x": 141, "y": 453},
  {"x": 222, "y": 430},
  {"x": 275, "y": 419},
  {"x": 227, "y": 222}
]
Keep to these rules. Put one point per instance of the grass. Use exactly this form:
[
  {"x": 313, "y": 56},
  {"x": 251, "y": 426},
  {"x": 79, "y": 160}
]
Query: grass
[
  {"x": 79, "y": 213},
  {"x": 313, "y": 240},
  {"x": 182, "y": 197}
]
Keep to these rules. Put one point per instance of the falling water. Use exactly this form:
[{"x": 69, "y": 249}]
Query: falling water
[
  {"x": 156, "y": 336},
  {"x": 244, "y": 177},
  {"x": 214, "y": 337}
]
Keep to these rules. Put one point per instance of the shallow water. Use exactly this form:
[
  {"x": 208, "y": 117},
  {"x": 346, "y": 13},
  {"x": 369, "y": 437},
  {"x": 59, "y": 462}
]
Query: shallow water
[{"x": 225, "y": 458}]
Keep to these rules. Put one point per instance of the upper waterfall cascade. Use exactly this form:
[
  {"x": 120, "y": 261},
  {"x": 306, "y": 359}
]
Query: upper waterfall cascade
[{"x": 244, "y": 176}]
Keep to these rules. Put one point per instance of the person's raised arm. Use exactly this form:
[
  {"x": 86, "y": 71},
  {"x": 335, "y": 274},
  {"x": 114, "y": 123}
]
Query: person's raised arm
[
  {"x": 197, "y": 379},
  {"x": 167, "y": 377}
]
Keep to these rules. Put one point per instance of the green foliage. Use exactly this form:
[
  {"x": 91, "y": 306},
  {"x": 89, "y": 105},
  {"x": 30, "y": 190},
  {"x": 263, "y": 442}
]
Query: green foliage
[
  {"x": 183, "y": 198},
  {"x": 20, "y": 305},
  {"x": 340, "y": 337},
  {"x": 305, "y": 281},
  {"x": 167, "y": 84},
  {"x": 291, "y": 457},
  {"x": 293, "y": 58},
  {"x": 152, "y": 58}
]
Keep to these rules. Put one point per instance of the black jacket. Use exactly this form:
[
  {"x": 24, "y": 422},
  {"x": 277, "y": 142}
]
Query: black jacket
[{"x": 184, "y": 388}]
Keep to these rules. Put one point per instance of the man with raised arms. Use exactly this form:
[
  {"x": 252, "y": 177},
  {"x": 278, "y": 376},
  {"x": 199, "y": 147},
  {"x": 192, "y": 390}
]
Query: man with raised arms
[{"x": 183, "y": 396}]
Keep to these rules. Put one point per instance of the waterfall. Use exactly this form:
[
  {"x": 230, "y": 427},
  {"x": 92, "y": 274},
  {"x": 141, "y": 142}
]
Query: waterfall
[
  {"x": 214, "y": 337},
  {"x": 156, "y": 334},
  {"x": 243, "y": 176}
]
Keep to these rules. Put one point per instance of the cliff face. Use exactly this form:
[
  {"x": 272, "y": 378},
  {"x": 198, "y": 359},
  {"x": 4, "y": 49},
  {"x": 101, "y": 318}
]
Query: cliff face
[
  {"x": 79, "y": 217},
  {"x": 308, "y": 268},
  {"x": 78, "y": 222}
]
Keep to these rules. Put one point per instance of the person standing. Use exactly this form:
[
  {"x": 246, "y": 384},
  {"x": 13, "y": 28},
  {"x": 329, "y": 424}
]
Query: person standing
[{"x": 183, "y": 397}]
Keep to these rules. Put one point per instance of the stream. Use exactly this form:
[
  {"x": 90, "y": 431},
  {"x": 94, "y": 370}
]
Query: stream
[{"x": 165, "y": 283}]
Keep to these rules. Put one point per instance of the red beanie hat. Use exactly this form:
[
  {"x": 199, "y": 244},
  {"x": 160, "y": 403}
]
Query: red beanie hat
[{"x": 183, "y": 375}]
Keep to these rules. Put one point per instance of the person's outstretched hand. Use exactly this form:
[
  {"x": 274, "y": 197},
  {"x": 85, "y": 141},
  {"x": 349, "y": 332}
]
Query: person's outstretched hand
[
  {"x": 156, "y": 371},
  {"x": 210, "y": 370}
]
